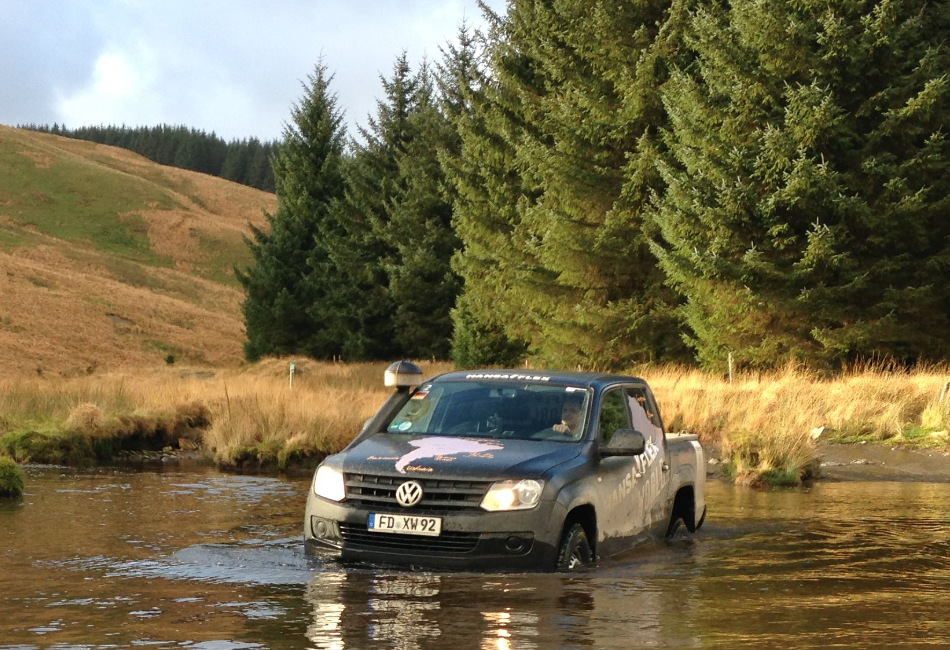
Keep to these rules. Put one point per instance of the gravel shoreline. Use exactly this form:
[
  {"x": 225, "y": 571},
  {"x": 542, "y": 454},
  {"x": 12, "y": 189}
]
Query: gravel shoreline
[
  {"x": 864, "y": 462},
  {"x": 880, "y": 462}
]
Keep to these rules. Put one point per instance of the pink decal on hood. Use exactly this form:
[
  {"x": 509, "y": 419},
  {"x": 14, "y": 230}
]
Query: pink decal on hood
[{"x": 432, "y": 447}]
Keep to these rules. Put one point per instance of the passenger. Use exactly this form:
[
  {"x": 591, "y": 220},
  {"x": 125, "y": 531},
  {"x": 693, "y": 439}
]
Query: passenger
[{"x": 570, "y": 414}]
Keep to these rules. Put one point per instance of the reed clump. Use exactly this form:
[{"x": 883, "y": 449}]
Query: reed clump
[
  {"x": 11, "y": 478},
  {"x": 92, "y": 419},
  {"x": 262, "y": 417}
]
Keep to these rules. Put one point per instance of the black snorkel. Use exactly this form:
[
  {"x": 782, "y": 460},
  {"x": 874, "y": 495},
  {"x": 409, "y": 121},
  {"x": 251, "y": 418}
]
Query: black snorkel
[{"x": 404, "y": 376}]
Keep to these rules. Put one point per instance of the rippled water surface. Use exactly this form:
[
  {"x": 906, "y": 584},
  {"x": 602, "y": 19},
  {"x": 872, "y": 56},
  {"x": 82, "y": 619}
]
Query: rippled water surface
[{"x": 198, "y": 559}]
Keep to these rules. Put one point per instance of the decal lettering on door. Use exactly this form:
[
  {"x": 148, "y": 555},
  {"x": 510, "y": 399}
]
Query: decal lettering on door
[{"x": 640, "y": 465}]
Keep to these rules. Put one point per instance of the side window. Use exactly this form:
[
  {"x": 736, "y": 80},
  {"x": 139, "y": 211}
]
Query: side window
[
  {"x": 613, "y": 415},
  {"x": 645, "y": 418}
]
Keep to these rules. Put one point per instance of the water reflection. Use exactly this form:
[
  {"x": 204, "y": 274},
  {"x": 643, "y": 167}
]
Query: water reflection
[
  {"x": 361, "y": 607},
  {"x": 104, "y": 560},
  {"x": 115, "y": 558}
]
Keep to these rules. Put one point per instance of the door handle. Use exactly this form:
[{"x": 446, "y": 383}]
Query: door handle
[{"x": 666, "y": 467}]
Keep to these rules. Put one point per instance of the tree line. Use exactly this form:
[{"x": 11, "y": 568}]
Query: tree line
[
  {"x": 245, "y": 161},
  {"x": 604, "y": 183},
  {"x": 600, "y": 184}
]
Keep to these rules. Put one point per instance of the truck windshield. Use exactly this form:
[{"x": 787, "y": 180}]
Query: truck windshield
[{"x": 487, "y": 409}]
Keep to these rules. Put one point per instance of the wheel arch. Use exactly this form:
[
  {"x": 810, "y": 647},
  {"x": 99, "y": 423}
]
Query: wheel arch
[
  {"x": 586, "y": 516},
  {"x": 684, "y": 507}
]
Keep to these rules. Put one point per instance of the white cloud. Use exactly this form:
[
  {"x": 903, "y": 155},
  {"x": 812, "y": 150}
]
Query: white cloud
[
  {"x": 234, "y": 67},
  {"x": 115, "y": 77}
]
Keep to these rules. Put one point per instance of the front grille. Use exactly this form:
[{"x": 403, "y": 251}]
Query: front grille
[
  {"x": 437, "y": 495},
  {"x": 358, "y": 537}
]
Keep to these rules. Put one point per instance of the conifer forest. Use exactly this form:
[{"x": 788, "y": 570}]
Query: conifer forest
[{"x": 600, "y": 184}]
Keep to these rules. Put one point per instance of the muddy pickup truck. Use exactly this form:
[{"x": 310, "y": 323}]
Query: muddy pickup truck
[{"x": 506, "y": 470}]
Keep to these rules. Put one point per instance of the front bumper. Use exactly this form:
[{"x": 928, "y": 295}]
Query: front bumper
[{"x": 470, "y": 540}]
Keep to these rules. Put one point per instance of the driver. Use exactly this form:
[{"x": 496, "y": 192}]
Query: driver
[{"x": 570, "y": 414}]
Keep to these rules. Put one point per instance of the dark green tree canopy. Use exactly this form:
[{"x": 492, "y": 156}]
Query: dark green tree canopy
[
  {"x": 242, "y": 161},
  {"x": 485, "y": 189},
  {"x": 805, "y": 215},
  {"x": 281, "y": 287},
  {"x": 396, "y": 240},
  {"x": 555, "y": 169},
  {"x": 601, "y": 184}
]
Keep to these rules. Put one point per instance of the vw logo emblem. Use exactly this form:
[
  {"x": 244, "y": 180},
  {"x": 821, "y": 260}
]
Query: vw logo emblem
[{"x": 409, "y": 494}]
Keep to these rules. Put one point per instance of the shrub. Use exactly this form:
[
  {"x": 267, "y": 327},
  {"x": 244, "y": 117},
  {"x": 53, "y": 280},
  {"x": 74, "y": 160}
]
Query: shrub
[{"x": 11, "y": 478}]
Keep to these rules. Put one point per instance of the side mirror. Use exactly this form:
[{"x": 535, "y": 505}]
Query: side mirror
[{"x": 624, "y": 442}]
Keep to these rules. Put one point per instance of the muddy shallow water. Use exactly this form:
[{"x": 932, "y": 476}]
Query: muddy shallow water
[{"x": 198, "y": 559}]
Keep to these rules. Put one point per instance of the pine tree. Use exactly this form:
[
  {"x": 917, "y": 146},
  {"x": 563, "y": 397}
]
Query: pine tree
[
  {"x": 396, "y": 240},
  {"x": 359, "y": 249},
  {"x": 491, "y": 326},
  {"x": 808, "y": 187},
  {"x": 422, "y": 284},
  {"x": 591, "y": 112},
  {"x": 557, "y": 168},
  {"x": 234, "y": 166},
  {"x": 282, "y": 287},
  {"x": 478, "y": 336}
]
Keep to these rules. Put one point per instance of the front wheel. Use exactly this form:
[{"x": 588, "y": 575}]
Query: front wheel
[
  {"x": 574, "y": 550},
  {"x": 677, "y": 528}
]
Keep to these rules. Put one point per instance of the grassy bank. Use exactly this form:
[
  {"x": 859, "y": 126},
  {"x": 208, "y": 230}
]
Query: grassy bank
[
  {"x": 766, "y": 424},
  {"x": 137, "y": 257},
  {"x": 252, "y": 418},
  {"x": 249, "y": 418}
]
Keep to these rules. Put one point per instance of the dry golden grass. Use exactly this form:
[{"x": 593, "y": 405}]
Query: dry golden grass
[
  {"x": 60, "y": 315},
  {"x": 761, "y": 423},
  {"x": 255, "y": 414},
  {"x": 258, "y": 415},
  {"x": 68, "y": 308}
]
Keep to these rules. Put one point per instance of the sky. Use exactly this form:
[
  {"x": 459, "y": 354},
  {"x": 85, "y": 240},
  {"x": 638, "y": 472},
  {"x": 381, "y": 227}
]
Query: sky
[{"x": 231, "y": 67}]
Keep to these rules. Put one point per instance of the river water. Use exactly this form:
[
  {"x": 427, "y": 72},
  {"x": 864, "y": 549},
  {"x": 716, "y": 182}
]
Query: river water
[{"x": 198, "y": 559}]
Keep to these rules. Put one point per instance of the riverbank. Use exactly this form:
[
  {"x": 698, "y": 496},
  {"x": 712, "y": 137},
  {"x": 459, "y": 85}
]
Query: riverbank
[
  {"x": 850, "y": 461},
  {"x": 858, "y": 461},
  {"x": 285, "y": 415}
]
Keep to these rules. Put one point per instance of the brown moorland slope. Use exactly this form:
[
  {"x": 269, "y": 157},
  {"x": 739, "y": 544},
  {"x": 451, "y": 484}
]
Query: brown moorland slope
[{"x": 109, "y": 260}]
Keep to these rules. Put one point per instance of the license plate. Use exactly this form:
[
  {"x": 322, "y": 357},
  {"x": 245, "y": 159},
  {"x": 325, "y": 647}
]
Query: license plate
[{"x": 406, "y": 524}]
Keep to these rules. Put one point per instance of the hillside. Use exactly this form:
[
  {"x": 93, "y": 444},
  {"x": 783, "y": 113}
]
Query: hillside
[{"x": 108, "y": 259}]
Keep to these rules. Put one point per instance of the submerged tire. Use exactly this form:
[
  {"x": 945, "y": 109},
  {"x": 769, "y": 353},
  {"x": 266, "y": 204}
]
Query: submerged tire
[
  {"x": 677, "y": 528},
  {"x": 574, "y": 551}
]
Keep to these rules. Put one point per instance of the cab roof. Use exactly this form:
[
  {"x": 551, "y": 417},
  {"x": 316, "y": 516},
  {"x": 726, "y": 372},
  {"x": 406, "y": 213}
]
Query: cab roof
[{"x": 586, "y": 379}]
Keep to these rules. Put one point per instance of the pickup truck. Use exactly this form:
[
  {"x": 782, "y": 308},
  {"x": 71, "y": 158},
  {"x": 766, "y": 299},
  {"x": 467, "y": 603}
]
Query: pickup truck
[{"x": 505, "y": 470}]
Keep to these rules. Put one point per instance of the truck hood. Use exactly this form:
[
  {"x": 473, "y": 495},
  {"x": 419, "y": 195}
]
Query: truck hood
[{"x": 453, "y": 457}]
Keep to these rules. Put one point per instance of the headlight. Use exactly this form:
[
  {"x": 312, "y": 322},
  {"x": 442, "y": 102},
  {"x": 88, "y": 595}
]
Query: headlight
[
  {"x": 328, "y": 483},
  {"x": 513, "y": 495}
]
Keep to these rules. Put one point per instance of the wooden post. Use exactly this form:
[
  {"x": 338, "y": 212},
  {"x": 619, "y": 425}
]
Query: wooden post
[
  {"x": 730, "y": 367},
  {"x": 944, "y": 392},
  {"x": 293, "y": 368}
]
